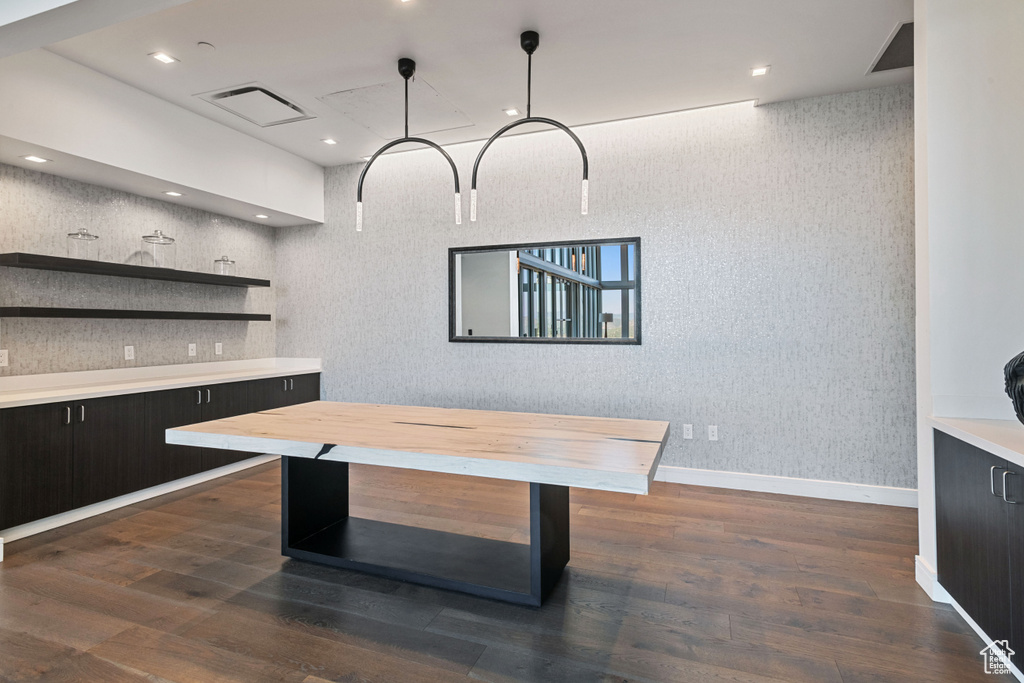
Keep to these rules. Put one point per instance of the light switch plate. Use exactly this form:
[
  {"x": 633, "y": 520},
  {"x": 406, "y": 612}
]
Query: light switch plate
[
  {"x": 218, "y": 348},
  {"x": 191, "y": 349},
  {"x": 129, "y": 353},
  {"x": 3, "y": 358}
]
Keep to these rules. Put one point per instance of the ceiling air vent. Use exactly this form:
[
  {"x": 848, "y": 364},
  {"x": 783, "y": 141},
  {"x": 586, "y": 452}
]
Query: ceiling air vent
[
  {"x": 898, "y": 52},
  {"x": 257, "y": 104}
]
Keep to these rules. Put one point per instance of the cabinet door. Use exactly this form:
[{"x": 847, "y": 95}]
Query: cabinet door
[
  {"x": 267, "y": 394},
  {"x": 163, "y": 462},
  {"x": 303, "y": 388},
  {"x": 220, "y": 401},
  {"x": 109, "y": 443},
  {"x": 35, "y": 463},
  {"x": 1015, "y": 491},
  {"x": 972, "y": 528}
]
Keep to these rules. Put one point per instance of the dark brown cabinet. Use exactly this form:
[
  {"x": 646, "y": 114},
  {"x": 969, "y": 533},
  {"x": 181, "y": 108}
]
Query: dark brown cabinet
[
  {"x": 980, "y": 536},
  {"x": 1015, "y": 491},
  {"x": 278, "y": 392},
  {"x": 60, "y": 456},
  {"x": 35, "y": 463},
  {"x": 163, "y": 462},
  {"x": 109, "y": 436},
  {"x": 220, "y": 401}
]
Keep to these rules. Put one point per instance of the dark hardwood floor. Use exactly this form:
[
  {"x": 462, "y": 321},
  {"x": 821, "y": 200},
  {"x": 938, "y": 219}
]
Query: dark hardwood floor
[{"x": 687, "y": 584}]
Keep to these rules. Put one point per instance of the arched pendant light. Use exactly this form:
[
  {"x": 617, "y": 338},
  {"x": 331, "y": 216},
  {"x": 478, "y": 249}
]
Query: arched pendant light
[
  {"x": 406, "y": 67},
  {"x": 529, "y": 40}
]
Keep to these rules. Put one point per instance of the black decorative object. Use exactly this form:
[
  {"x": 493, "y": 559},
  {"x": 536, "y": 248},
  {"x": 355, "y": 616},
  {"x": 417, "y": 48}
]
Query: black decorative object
[
  {"x": 1014, "y": 373},
  {"x": 406, "y": 68},
  {"x": 529, "y": 41}
]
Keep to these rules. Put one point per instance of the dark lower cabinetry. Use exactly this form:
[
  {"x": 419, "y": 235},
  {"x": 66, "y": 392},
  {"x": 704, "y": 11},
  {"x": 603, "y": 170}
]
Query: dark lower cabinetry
[
  {"x": 60, "y": 456},
  {"x": 980, "y": 536},
  {"x": 109, "y": 438},
  {"x": 285, "y": 391},
  {"x": 35, "y": 463},
  {"x": 220, "y": 401},
  {"x": 164, "y": 462}
]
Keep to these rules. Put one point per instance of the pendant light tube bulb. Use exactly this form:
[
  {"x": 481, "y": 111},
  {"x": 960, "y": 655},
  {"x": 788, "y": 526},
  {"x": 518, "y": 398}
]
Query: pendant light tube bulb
[
  {"x": 585, "y": 203},
  {"x": 472, "y": 205},
  {"x": 359, "y": 216},
  {"x": 458, "y": 209}
]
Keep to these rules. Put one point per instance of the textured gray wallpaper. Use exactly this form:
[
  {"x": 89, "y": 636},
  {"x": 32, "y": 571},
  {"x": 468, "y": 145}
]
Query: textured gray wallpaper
[
  {"x": 777, "y": 295},
  {"x": 37, "y": 211}
]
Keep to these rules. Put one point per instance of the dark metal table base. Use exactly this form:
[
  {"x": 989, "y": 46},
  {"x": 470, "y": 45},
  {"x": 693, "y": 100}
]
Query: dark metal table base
[{"x": 316, "y": 527}]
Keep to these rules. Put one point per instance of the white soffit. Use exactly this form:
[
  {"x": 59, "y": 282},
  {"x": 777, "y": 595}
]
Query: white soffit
[{"x": 12, "y": 152}]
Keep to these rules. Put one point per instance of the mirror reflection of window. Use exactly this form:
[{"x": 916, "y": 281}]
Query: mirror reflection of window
[{"x": 575, "y": 291}]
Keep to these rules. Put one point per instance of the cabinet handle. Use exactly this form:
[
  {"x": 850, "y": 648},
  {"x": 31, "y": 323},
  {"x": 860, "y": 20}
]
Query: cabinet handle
[
  {"x": 291, "y": 385},
  {"x": 285, "y": 382},
  {"x": 992, "y": 479},
  {"x": 207, "y": 395},
  {"x": 1007, "y": 472},
  {"x": 67, "y": 416},
  {"x": 199, "y": 397},
  {"x": 81, "y": 413}
]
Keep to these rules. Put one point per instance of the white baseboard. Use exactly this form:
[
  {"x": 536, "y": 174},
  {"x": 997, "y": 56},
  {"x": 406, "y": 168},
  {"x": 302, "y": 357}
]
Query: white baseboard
[
  {"x": 810, "y": 488},
  {"x": 77, "y": 515},
  {"x": 928, "y": 579},
  {"x": 984, "y": 636}
]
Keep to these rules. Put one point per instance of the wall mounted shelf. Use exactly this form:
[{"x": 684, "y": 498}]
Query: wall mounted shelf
[
  {"x": 120, "y": 314},
  {"x": 71, "y": 265}
]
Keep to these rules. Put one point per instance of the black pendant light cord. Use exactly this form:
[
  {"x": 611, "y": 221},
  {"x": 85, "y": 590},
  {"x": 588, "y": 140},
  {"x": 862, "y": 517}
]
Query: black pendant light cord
[
  {"x": 406, "y": 67},
  {"x": 529, "y": 83},
  {"x": 529, "y": 41}
]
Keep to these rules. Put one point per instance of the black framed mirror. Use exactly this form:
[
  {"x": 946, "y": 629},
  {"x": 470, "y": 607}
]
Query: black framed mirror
[{"x": 579, "y": 292}]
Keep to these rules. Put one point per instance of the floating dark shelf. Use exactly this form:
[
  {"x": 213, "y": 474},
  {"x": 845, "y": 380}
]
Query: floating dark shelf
[
  {"x": 119, "y": 314},
  {"x": 73, "y": 265}
]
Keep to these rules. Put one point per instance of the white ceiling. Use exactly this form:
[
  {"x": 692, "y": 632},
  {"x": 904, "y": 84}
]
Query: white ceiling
[{"x": 599, "y": 60}]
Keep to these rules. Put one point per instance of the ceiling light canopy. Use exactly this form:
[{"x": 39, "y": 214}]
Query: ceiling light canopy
[
  {"x": 406, "y": 68},
  {"x": 529, "y": 41}
]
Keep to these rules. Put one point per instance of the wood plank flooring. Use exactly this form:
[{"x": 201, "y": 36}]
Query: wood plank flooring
[{"x": 687, "y": 584}]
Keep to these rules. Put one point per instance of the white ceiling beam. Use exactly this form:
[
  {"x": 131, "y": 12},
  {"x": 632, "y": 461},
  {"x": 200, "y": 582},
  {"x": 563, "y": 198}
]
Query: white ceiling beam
[{"x": 30, "y": 24}]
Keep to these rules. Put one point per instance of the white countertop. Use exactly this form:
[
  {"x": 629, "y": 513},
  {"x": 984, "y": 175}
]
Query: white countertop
[
  {"x": 1002, "y": 438},
  {"x": 26, "y": 390}
]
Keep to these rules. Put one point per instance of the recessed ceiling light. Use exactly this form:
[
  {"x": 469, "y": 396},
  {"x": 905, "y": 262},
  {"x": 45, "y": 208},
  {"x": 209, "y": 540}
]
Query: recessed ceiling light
[
  {"x": 38, "y": 160},
  {"x": 329, "y": 141},
  {"x": 367, "y": 158},
  {"x": 261, "y": 215},
  {"x": 169, "y": 193},
  {"x": 512, "y": 112},
  {"x": 163, "y": 57},
  {"x": 759, "y": 71}
]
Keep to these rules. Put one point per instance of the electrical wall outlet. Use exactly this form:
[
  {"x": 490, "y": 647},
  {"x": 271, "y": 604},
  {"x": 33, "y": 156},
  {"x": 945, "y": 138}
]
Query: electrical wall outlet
[
  {"x": 129, "y": 353},
  {"x": 687, "y": 431},
  {"x": 191, "y": 349},
  {"x": 3, "y": 358},
  {"x": 712, "y": 432},
  {"x": 218, "y": 349}
]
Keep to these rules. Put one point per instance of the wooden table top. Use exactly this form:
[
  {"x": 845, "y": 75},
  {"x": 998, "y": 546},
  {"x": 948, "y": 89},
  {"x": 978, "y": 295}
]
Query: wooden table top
[{"x": 608, "y": 454}]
